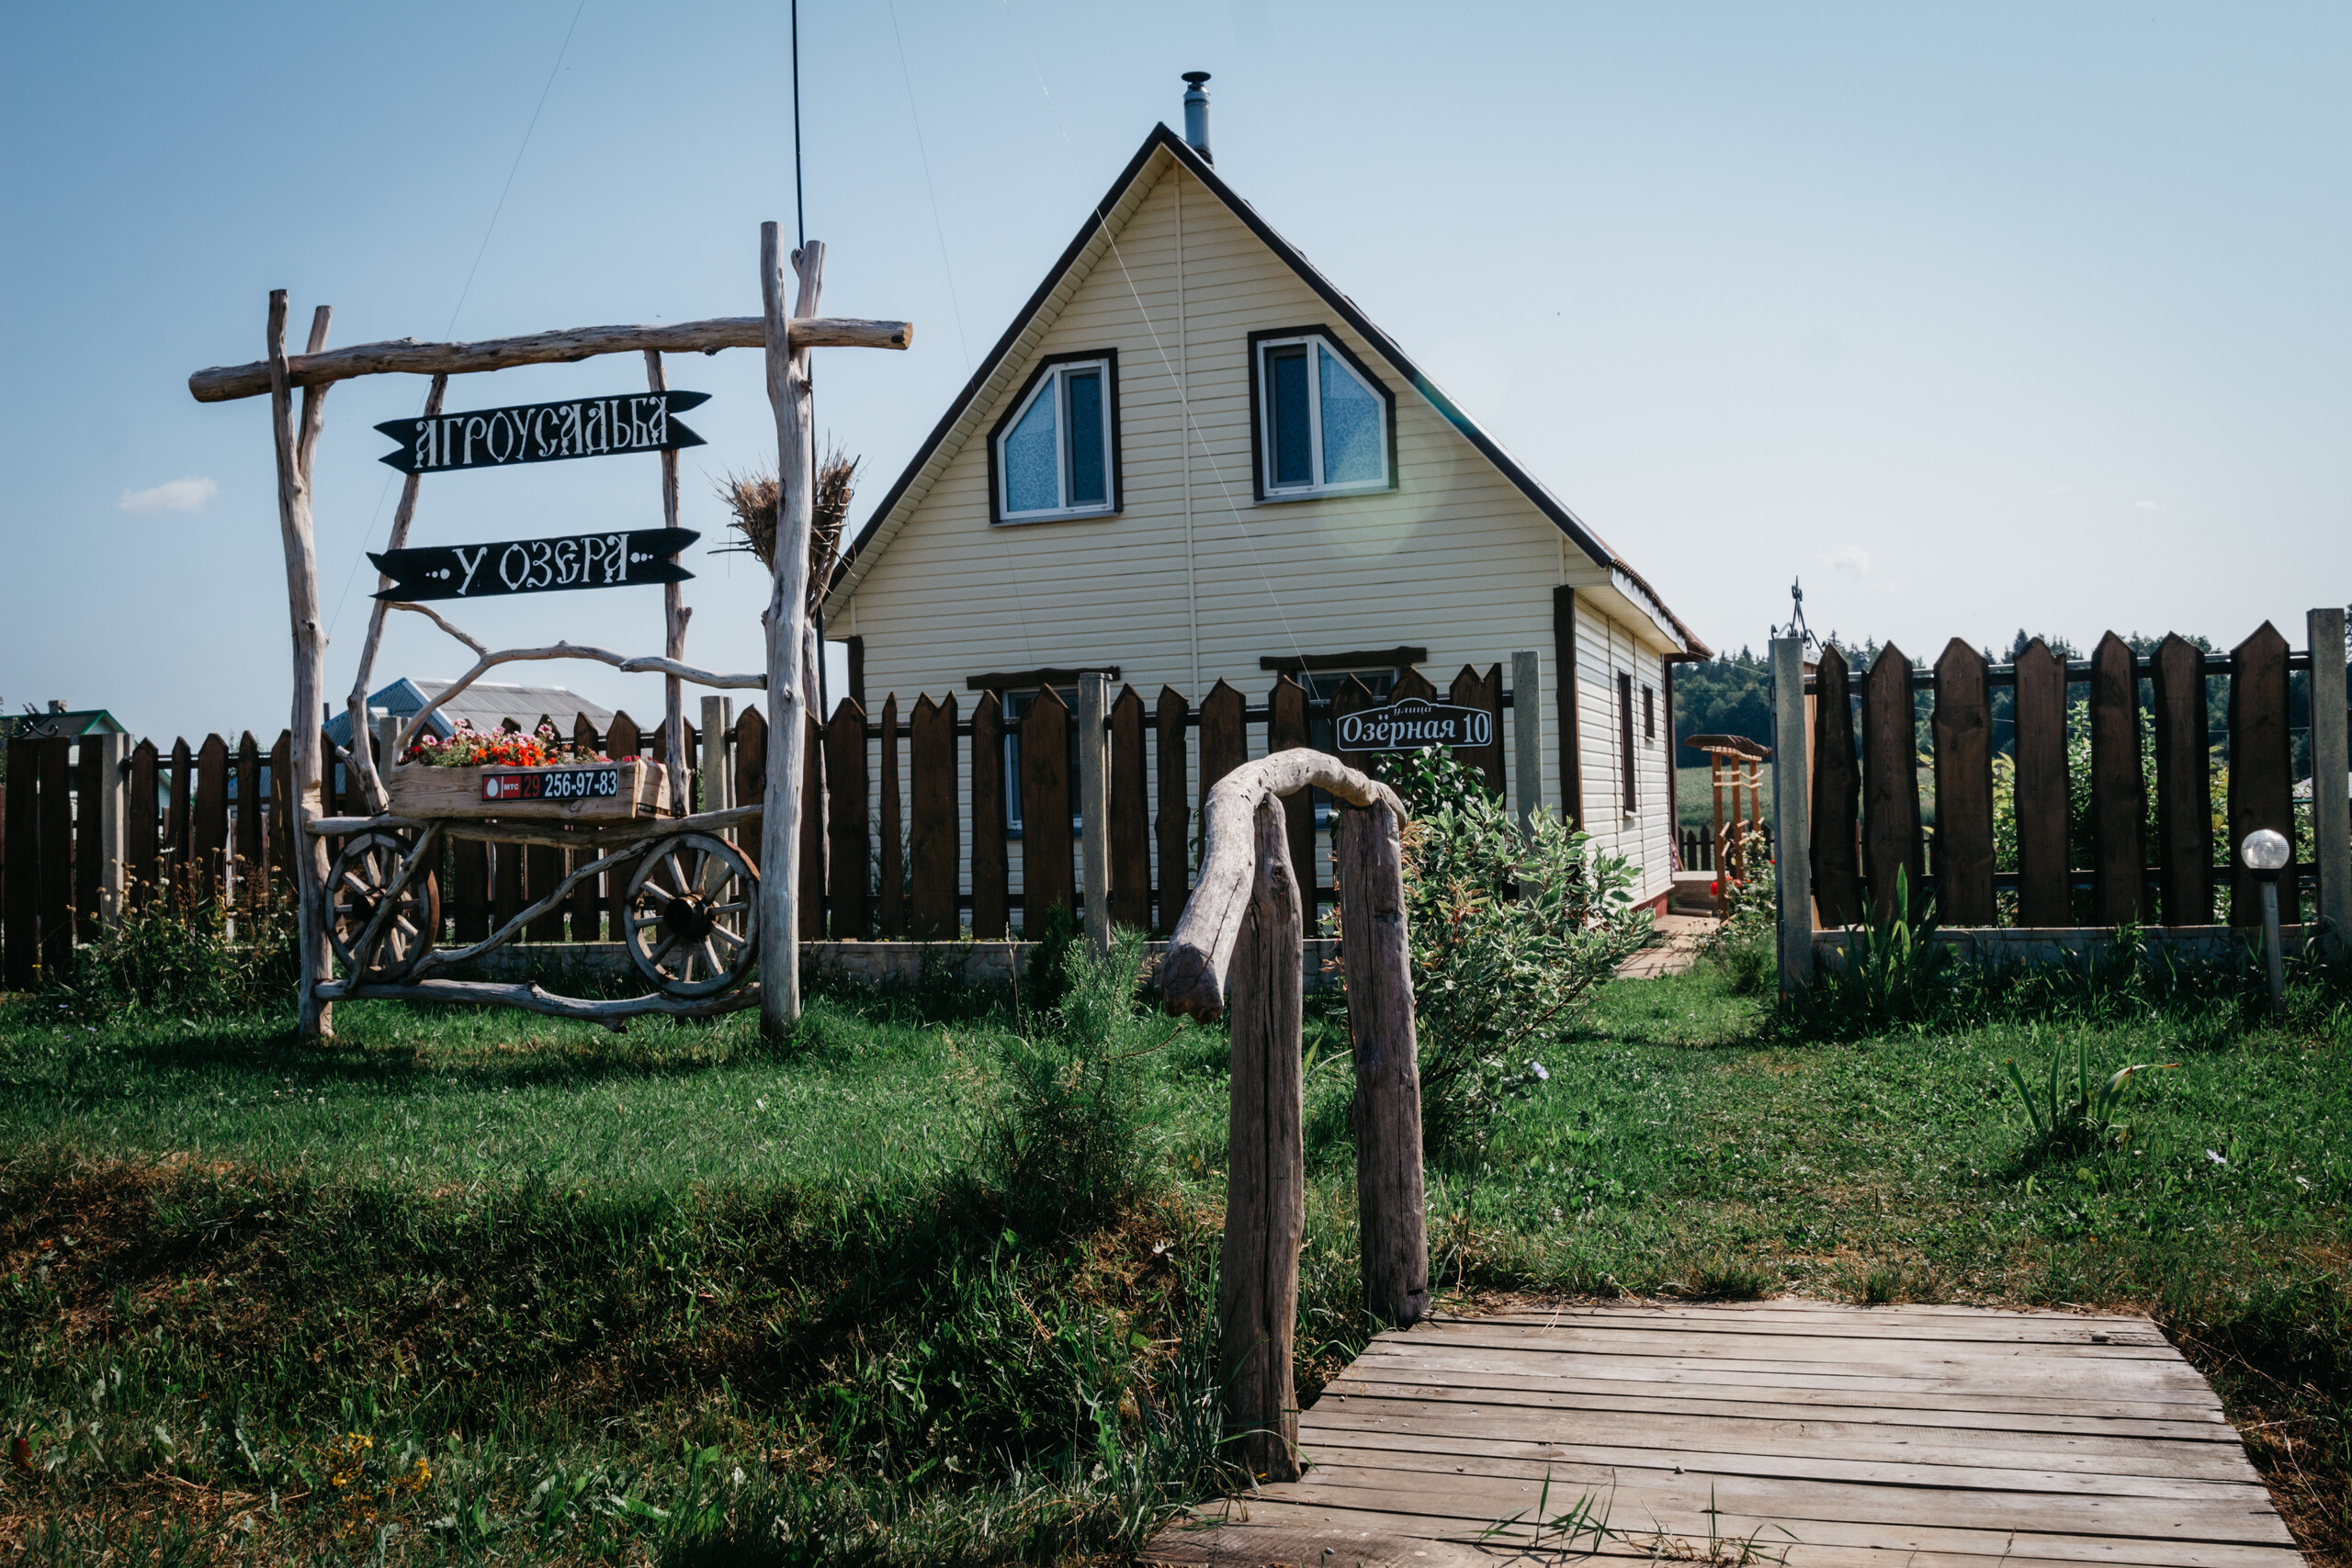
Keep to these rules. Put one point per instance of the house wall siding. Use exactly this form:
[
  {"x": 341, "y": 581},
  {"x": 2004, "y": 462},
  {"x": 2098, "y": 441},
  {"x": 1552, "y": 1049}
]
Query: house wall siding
[{"x": 1456, "y": 558}]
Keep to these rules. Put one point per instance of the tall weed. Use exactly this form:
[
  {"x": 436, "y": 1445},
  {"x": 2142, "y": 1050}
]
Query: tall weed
[{"x": 176, "y": 958}]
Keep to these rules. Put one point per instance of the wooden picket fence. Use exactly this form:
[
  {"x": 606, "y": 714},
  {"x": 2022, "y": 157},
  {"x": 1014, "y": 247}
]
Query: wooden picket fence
[
  {"x": 914, "y": 841},
  {"x": 1865, "y": 822}
]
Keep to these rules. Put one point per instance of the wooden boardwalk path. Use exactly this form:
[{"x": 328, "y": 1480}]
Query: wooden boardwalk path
[{"x": 1837, "y": 1437}]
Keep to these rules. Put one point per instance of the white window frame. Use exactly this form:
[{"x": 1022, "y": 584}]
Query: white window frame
[
  {"x": 1314, "y": 343},
  {"x": 1051, "y": 384}
]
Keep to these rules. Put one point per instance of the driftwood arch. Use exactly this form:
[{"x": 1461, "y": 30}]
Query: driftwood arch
[
  {"x": 1241, "y": 942},
  {"x": 786, "y": 335}
]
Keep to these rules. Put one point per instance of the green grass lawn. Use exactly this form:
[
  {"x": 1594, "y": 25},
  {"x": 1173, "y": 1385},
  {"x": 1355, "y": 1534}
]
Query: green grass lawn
[{"x": 481, "y": 1287}]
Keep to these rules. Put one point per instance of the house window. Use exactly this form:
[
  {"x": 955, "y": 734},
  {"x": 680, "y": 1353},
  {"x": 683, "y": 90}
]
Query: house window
[
  {"x": 1649, "y": 713},
  {"x": 1057, "y": 453},
  {"x": 1625, "y": 736},
  {"x": 1323, "y": 423}
]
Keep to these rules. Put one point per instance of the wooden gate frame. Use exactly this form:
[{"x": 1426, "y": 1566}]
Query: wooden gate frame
[
  {"x": 1241, "y": 934},
  {"x": 792, "y": 655}
]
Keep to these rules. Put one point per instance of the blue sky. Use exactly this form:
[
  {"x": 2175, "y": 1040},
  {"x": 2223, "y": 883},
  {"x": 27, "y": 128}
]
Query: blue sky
[{"x": 1975, "y": 317}]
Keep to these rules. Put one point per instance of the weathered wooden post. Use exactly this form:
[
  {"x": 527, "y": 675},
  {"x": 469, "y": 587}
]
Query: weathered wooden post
[
  {"x": 718, "y": 778},
  {"x": 1392, "y": 1216},
  {"x": 1527, "y": 734},
  {"x": 2331, "y": 762},
  {"x": 1792, "y": 803},
  {"x": 1244, "y": 923},
  {"x": 1094, "y": 804},
  {"x": 790, "y": 687},
  {"x": 114, "y": 765}
]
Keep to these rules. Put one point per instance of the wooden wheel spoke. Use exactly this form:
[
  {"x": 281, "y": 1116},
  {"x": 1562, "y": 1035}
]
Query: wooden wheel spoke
[
  {"x": 736, "y": 908},
  {"x": 732, "y": 940},
  {"x": 710, "y": 956},
  {"x": 659, "y": 954}
]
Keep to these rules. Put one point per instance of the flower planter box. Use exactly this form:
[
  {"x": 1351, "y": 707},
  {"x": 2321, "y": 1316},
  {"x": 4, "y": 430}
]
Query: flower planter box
[{"x": 564, "y": 792}]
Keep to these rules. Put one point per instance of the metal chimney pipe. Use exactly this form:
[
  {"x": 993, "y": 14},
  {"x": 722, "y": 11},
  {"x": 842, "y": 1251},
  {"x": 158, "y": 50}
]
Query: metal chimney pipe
[{"x": 1197, "y": 114}]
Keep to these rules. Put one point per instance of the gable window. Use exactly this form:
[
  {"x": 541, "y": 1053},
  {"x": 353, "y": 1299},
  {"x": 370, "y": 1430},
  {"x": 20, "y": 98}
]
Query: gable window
[
  {"x": 1323, "y": 425},
  {"x": 1057, "y": 453}
]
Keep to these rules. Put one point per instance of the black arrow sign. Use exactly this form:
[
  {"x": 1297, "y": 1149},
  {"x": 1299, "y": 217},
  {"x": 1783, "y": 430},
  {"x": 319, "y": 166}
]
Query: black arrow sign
[
  {"x": 534, "y": 566},
  {"x": 543, "y": 432}
]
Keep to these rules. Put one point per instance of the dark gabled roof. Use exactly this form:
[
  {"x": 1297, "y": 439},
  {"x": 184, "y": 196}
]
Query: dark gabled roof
[
  {"x": 1163, "y": 139},
  {"x": 69, "y": 724}
]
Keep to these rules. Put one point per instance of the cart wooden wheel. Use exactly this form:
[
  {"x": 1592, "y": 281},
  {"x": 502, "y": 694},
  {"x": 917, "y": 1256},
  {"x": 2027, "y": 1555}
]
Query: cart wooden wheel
[
  {"x": 356, "y": 888},
  {"x": 694, "y": 915}
]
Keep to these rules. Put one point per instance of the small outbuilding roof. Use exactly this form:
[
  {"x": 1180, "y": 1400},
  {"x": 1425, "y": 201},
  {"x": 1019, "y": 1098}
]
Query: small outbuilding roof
[
  {"x": 485, "y": 704},
  {"x": 59, "y": 722}
]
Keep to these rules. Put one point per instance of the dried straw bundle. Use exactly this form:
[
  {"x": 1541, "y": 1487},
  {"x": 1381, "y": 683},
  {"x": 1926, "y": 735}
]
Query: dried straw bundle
[{"x": 753, "y": 497}]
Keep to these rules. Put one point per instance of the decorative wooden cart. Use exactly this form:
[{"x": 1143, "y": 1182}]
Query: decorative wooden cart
[{"x": 696, "y": 918}]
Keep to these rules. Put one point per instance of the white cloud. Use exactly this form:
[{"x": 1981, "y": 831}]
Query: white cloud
[
  {"x": 179, "y": 495},
  {"x": 2060, "y": 490},
  {"x": 1849, "y": 558},
  {"x": 2147, "y": 506}
]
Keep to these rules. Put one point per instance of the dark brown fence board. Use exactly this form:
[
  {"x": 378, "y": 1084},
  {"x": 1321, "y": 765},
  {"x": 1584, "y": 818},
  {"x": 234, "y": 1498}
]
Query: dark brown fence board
[
  {"x": 176, "y": 824},
  {"x": 544, "y": 866},
  {"x": 210, "y": 837},
  {"x": 849, "y": 857},
  {"x": 141, "y": 831},
  {"x": 1286, "y": 728},
  {"x": 2261, "y": 771},
  {"x": 2119, "y": 793},
  {"x": 470, "y": 889},
  {"x": 1173, "y": 825},
  {"x": 1963, "y": 752},
  {"x": 24, "y": 864},
  {"x": 1047, "y": 879},
  {"x": 281, "y": 811},
  {"x": 1130, "y": 824},
  {"x": 750, "y": 763},
  {"x": 1837, "y": 794},
  {"x": 2184, "y": 785},
  {"x": 1352, "y": 698},
  {"x": 890, "y": 881},
  {"x": 251, "y": 871},
  {"x": 811, "y": 912},
  {"x": 1413, "y": 683},
  {"x": 992, "y": 882},
  {"x": 2042, "y": 801},
  {"x": 585, "y": 907},
  {"x": 1224, "y": 736},
  {"x": 622, "y": 738},
  {"x": 56, "y": 855},
  {"x": 1890, "y": 782},
  {"x": 934, "y": 832},
  {"x": 1472, "y": 690},
  {"x": 89, "y": 852}
]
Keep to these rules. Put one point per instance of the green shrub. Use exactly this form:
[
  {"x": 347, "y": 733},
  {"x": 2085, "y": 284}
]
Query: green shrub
[
  {"x": 176, "y": 958},
  {"x": 1069, "y": 1148},
  {"x": 1511, "y": 930}
]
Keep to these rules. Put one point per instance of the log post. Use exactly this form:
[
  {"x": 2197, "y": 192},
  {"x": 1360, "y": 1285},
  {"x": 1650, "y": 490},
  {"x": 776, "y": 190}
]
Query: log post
[
  {"x": 114, "y": 766},
  {"x": 295, "y": 446},
  {"x": 674, "y": 616},
  {"x": 1792, "y": 809},
  {"x": 2331, "y": 762},
  {"x": 1527, "y": 734},
  {"x": 718, "y": 779},
  {"x": 371, "y": 779},
  {"x": 1376, "y": 958},
  {"x": 1094, "y": 806},
  {"x": 786, "y": 618},
  {"x": 1265, "y": 1213}
]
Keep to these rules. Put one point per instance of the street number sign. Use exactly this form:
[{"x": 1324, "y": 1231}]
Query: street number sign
[{"x": 1411, "y": 723}]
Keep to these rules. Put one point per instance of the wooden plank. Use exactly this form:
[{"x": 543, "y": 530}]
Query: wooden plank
[
  {"x": 1963, "y": 752},
  {"x": 1837, "y": 795},
  {"x": 1385, "y": 1115},
  {"x": 813, "y": 836},
  {"x": 143, "y": 832},
  {"x": 750, "y": 763},
  {"x": 544, "y": 865},
  {"x": 1286, "y": 728},
  {"x": 992, "y": 876},
  {"x": 179, "y": 824},
  {"x": 847, "y": 824},
  {"x": 2261, "y": 775},
  {"x": 1130, "y": 826},
  {"x": 252, "y": 888},
  {"x": 281, "y": 815},
  {"x": 1352, "y": 698},
  {"x": 1860, "y": 1354},
  {"x": 470, "y": 889},
  {"x": 891, "y": 881},
  {"x": 587, "y": 901},
  {"x": 1048, "y": 880},
  {"x": 2119, "y": 794},
  {"x": 2184, "y": 785},
  {"x": 1890, "y": 785},
  {"x": 23, "y": 951},
  {"x": 56, "y": 856},
  {"x": 89, "y": 818},
  {"x": 1563, "y": 675},
  {"x": 622, "y": 739},
  {"x": 934, "y": 833},
  {"x": 1172, "y": 826},
  {"x": 1225, "y": 741},
  {"x": 2042, "y": 801},
  {"x": 1804, "y": 1319}
]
